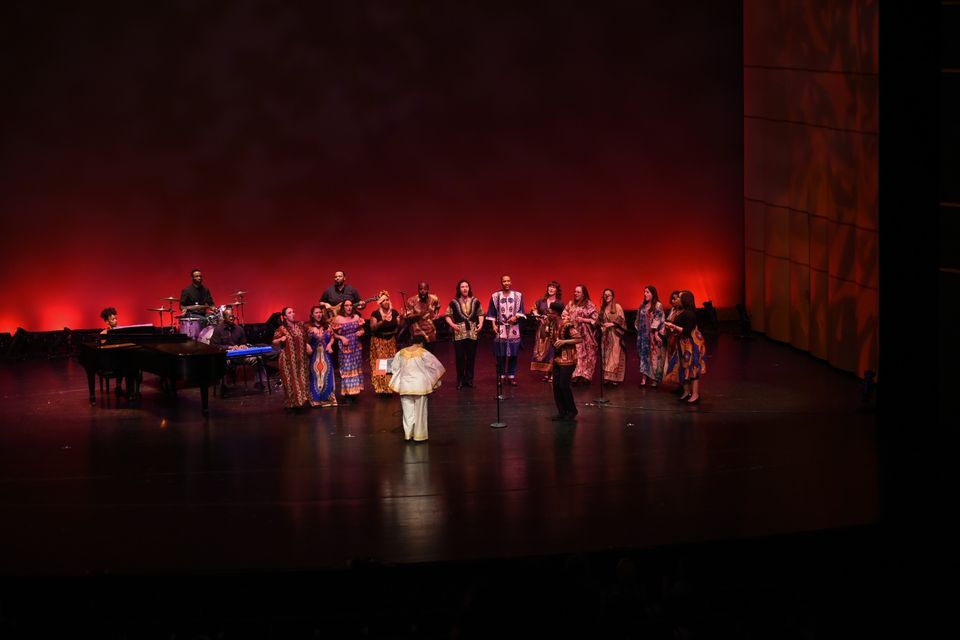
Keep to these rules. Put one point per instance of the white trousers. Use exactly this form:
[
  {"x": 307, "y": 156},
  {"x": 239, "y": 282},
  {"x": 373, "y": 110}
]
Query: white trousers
[{"x": 414, "y": 417}]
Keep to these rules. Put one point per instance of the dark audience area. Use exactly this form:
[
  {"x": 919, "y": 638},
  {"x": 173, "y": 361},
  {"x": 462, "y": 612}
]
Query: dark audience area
[{"x": 814, "y": 585}]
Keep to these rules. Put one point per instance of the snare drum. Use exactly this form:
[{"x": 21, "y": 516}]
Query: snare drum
[{"x": 190, "y": 327}]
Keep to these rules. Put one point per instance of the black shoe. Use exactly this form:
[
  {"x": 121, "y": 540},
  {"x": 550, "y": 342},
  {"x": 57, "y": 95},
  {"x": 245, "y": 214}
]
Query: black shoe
[
  {"x": 459, "y": 386},
  {"x": 558, "y": 418},
  {"x": 571, "y": 418}
]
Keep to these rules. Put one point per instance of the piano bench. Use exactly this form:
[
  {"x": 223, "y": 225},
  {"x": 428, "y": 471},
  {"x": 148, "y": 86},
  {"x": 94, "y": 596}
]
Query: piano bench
[{"x": 234, "y": 364}]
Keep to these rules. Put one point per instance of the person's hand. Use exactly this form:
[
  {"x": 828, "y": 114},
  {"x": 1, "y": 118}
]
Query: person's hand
[
  {"x": 282, "y": 339},
  {"x": 309, "y": 350},
  {"x": 360, "y": 333},
  {"x": 361, "y": 304},
  {"x": 558, "y": 343},
  {"x": 607, "y": 325},
  {"x": 512, "y": 320},
  {"x": 330, "y": 348}
]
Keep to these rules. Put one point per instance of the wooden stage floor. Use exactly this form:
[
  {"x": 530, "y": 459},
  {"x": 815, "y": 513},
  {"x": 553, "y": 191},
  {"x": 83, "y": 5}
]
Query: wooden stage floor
[{"x": 778, "y": 445}]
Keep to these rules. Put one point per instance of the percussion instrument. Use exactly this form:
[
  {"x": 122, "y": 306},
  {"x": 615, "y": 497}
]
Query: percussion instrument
[
  {"x": 205, "y": 334},
  {"x": 190, "y": 326}
]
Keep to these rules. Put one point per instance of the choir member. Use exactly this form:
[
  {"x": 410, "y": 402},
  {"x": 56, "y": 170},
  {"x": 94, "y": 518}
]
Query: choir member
[
  {"x": 613, "y": 325},
  {"x": 649, "y": 326},
  {"x": 465, "y": 318},
  {"x": 290, "y": 338}
]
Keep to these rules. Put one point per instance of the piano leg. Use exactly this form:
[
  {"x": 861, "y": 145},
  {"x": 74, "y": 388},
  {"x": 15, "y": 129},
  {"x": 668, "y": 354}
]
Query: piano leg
[
  {"x": 90, "y": 383},
  {"x": 204, "y": 398},
  {"x": 133, "y": 387}
]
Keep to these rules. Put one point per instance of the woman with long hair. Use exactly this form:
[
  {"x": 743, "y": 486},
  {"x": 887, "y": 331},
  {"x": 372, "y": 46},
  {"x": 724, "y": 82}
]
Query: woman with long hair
[
  {"x": 464, "y": 316},
  {"x": 542, "y": 360},
  {"x": 583, "y": 313},
  {"x": 613, "y": 325},
  {"x": 319, "y": 348},
  {"x": 649, "y": 323},
  {"x": 348, "y": 329},
  {"x": 669, "y": 339},
  {"x": 691, "y": 349}
]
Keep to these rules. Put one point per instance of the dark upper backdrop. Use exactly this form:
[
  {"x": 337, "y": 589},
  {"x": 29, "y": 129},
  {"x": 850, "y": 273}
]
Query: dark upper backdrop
[{"x": 270, "y": 144}]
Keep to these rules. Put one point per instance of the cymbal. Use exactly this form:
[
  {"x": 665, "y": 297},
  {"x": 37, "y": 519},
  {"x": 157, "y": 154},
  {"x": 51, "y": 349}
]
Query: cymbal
[
  {"x": 170, "y": 299},
  {"x": 239, "y": 293},
  {"x": 237, "y": 303},
  {"x": 161, "y": 309},
  {"x": 194, "y": 307}
]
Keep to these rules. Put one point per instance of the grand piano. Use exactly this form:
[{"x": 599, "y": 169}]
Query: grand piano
[{"x": 128, "y": 351}]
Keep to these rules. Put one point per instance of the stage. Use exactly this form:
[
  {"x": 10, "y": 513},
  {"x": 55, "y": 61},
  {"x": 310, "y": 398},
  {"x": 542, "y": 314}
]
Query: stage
[{"x": 779, "y": 444}]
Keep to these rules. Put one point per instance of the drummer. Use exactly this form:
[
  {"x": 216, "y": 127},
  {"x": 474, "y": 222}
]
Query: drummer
[{"x": 195, "y": 299}]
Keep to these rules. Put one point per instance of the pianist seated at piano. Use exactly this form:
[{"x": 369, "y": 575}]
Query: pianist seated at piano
[
  {"x": 230, "y": 336},
  {"x": 109, "y": 316}
]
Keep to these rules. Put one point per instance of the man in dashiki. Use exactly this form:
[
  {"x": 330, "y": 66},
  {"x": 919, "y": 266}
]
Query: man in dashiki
[{"x": 505, "y": 311}]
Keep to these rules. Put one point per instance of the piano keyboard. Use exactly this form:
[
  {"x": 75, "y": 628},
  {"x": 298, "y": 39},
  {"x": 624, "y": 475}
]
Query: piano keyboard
[{"x": 250, "y": 351}]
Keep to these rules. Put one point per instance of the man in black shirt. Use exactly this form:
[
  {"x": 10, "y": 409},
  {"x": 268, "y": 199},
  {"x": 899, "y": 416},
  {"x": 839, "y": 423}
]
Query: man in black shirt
[
  {"x": 228, "y": 333},
  {"x": 341, "y": 291},
  {"x": 196, "y": 294}
]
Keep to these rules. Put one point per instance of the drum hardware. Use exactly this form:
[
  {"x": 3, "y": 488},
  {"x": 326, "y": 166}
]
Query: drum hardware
[
  {"x": 238, "y": 296},
  {"x": 165, "y": 308}
]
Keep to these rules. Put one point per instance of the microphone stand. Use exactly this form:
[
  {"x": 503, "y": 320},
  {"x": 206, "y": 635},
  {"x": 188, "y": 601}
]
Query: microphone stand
[
  {"x": 601, "y": 400},
  {"x": 502, "y": 357}
]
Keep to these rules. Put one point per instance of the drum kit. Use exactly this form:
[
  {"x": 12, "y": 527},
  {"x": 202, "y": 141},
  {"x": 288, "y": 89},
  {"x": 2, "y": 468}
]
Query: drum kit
[{"x": 199, "y": 327}]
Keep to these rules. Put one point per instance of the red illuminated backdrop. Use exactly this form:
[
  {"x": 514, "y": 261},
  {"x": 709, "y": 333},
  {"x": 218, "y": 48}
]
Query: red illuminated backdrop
[{"x": 270, "y": 145}]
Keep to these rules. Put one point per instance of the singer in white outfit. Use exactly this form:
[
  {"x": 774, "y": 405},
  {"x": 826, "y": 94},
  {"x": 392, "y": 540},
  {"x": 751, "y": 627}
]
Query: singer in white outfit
[{"x": 416, "y": 373}]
